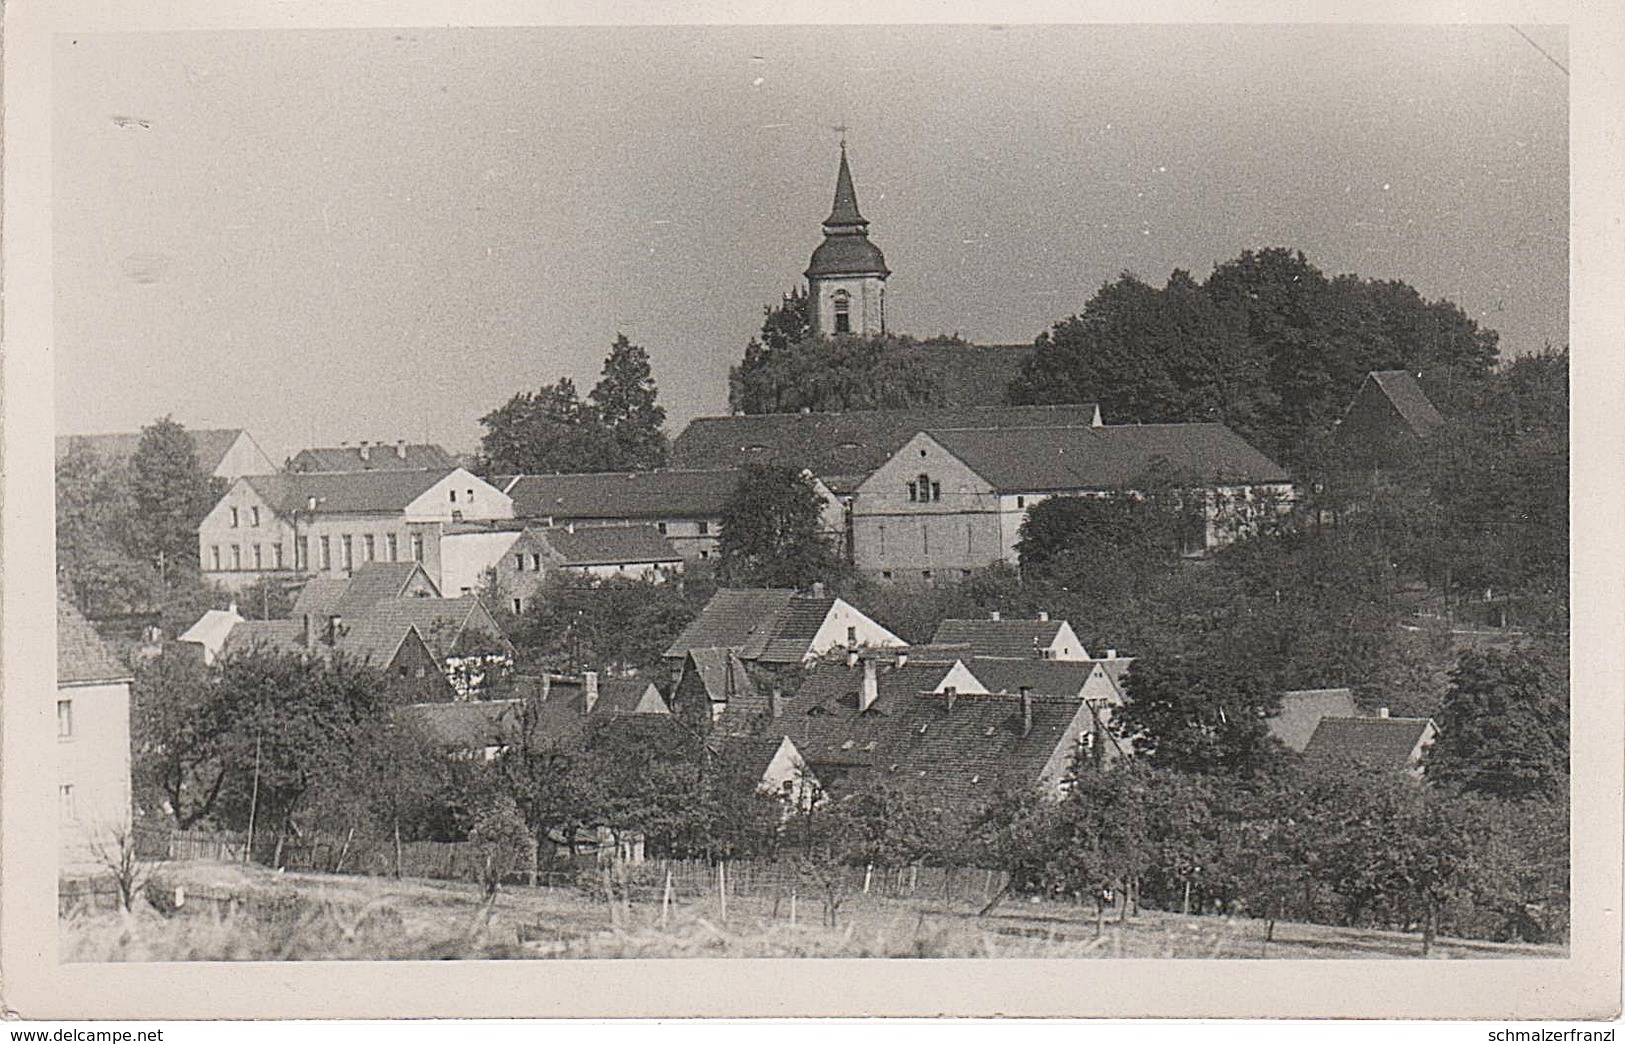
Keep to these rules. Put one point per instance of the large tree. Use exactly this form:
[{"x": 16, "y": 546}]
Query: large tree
[
  {"x": 553, "y": 430},
  {"x": 1199, "y": 714},
  {"x": 773, "y": 532},
  {"x": 625, "y": 401},
  {"x": 1267, "y": 345},
  {"x": 1504, "y": 725},
  {"x": 171, "y": 495}
]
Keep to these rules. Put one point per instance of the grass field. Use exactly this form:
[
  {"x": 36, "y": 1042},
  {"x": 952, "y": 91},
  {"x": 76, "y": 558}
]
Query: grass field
[{"x": 235, "y": 912}]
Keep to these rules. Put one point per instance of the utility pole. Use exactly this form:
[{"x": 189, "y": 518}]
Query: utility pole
[{"x": 253, "y": 803}]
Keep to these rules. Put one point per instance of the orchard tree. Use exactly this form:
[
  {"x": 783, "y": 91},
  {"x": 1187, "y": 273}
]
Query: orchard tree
[
  {"x": 773, "y": 531},
  {"x": 625, "y": 401},
  {"x": 179, "y": 730},
  {"x": 1199, "y": 714},
  {"x": 1504, "y": 725}
]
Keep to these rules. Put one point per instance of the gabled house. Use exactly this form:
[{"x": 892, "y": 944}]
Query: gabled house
[
  {"x": 558, "y": 713},
  {"x": 372, "y": 456},
  {"x": 517, "y": 562},
  {"x": 771, "y": 766},
  {"x": 998, "y": 638},
  {"x": 326, "y": 596},
  {"x": 1387, "y": 421},
  {"x": 952, "y": 501},
  {"x": 706, "y": 682},
  {"x": 1302, "y": 711},
  {"x": 1381, "y": 742},
  {"x": 224, "y": 453},
  {"x": 332, "y": 523},
  {"x": 93, "y": 738},
  {"x": 685, "y": 506},
  {"x": 775, "y": 626},
  {"x": 207, "y": 638}
]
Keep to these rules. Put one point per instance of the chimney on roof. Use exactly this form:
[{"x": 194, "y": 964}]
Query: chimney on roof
[
  {"x": 951, "y": 693},
  {"x": 1382, "y": 712},
  {"x": 589, "y": 682},
  {"x": 818, "y": 589},
  {"x": 994, "y": 616},
  {"x": 871, "y": 687},
  {"x": 775, "y": 703},
  {"x": 1026, "y": 710},
  {"x": 365, "y": 450},
  {"x": 1043, "y": 616},
  {"x": 1111, "y": 654},
  {"x": 400, "y": 448}
]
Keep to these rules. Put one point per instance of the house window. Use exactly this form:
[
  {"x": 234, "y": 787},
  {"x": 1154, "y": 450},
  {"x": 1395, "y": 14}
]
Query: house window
[
  {"x": 470, "y": 497},
  {"x": 236, "y": 556},
  {"x": 1021, "y": 502},
  {"x": 235, "y": 519},
  {"x": 518, "y": 606},
  {"x": 276, "y": 555},
  {"x": 519, "y": 563},
  {"x": 369, "y": 548},
  {"x": 926, "y": 573},
  {"x": 536, "y": 563},
  {"x": 913, "y": 491},
  {"x": 349, "y": 551},
  {"x": 705, "y": 528},
  {"x": 254, "y": 517},
  {"x": 392, "y": 544},
  {"x": 705, "y": 554},
  {"x": 662, "y": 527},
  {"x": 327, "y": 552},
  {"x": 417, "y": 547},
  {"x": 64, "y": 719},
  {"x": 453, "y": 496},
  {"x": 214, "y": 558},
  {"x": 843, "y": 312},
  {"x": 925, "y": 539},
  {"x": 851, "y": 637},
  {"x": 301, "y": 553},
  {"x": 936, "y": 491},
  {"x": 881, "y": 534},
  {"x": 885, "y": 574},
  {"x": 259, "y": 557},
  {"x": 967, "y": 538},
  {"x": 64, "y": 801},
  {"x": 405, "y": 670}
]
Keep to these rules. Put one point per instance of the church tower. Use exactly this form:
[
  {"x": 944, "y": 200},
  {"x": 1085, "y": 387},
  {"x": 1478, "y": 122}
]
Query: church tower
[{"x": 846, "y": 281}]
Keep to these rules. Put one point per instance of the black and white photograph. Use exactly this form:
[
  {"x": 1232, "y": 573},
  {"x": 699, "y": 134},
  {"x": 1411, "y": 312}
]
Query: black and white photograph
[{"x": 963, "y": 492}]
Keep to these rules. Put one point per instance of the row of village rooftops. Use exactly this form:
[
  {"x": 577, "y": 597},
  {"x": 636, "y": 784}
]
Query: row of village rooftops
[
  {"x": 818, "y": 696},
  {"x": 924, "y": 494}
]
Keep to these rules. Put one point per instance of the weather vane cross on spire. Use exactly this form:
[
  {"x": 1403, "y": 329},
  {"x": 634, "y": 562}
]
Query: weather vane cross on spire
[{"x": 840, "y": 128}]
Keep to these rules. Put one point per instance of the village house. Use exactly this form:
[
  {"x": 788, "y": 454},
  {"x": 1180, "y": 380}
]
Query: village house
[
  {"x": 952, "y": 501},
  {"x": 1302, "y": 711},
  {"x": 512, "y": 563},
  {"x": 781, "y": 627},
  {"x": 372, "y": 456},
  {"x": 896, "y": 723},
  {"x": 1387, "y": 421},
  {"x": 706, "y": 681},
  {"x": 684, "y": 506},
  {"x": 224, "y": 453},
  {"x": 1380, "y": 742},
  {"x": 997, "y": 637},
  {"x": 93, "y": 739},
  {"x": 332, "y": 523}
]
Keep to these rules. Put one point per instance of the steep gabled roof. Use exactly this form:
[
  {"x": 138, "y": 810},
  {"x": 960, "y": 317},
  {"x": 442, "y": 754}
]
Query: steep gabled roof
[
  {"x": 609, "y": 545},
  {"x": 690, "y": 493},
  {"x": 1302, "y": 711},
  {"x": 1408, "y": 399},
  {"x": 843, "y": 448},
  {"x": 356, "y": 492},
  {"x": 209, "y": 445},
  {"x": 380, "y": 457},
  {"x": 823, "y": 718},
  {"x": 798, "y": 625},
  {"x": 82, "y": 658},
  {"x": 1384, "y": 743},
  {"x": 999, "y": 638},
  {"x": 629, "y": 696},
  {"x": 740, "y": 619},
  {"x": 1115, "y": 457},
  {"x": 1046, "y": 677},
  {"x": 467, "y": 724},
  {"x": 721, "y": 673},
  {"x": 367, "y": 586},
  {"x": 439, "y": 621}
]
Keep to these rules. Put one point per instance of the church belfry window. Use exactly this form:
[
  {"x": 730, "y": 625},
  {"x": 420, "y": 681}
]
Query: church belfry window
[{"x": 843, "y": 312}]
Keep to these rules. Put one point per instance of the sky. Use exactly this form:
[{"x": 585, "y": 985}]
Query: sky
[{"x": 339, "y": 235}]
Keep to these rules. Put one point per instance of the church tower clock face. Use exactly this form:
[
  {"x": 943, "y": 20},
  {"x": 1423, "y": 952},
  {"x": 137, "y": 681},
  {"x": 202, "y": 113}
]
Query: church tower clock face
[{"x": 846, "y": 280}]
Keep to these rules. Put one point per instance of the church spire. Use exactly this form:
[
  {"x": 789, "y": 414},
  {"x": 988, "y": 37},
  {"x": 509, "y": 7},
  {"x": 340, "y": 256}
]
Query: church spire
[{"x": 844, "y": 214}]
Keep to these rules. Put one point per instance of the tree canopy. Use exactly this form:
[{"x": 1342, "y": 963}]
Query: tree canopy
[
  {"x": 1268, "y": 345},
  {"x": 617, "y": 427},
  {"x": 773, "y": 531},
  {"x": 1504, "y": 725}
]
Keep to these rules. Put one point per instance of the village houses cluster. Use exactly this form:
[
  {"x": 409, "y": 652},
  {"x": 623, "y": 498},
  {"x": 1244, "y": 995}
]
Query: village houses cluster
[{"x": 401, "y": 554}]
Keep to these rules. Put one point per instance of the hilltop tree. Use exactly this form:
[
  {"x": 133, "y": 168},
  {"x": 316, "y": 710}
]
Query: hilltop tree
[
  {"x": 1198, "y": 714},
  {"x": 772, "y": 530},
  {"x": 1267, "y": 345},
  {"x": 625, "y": 401},
  {"x": 1504, "y": 725}
]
